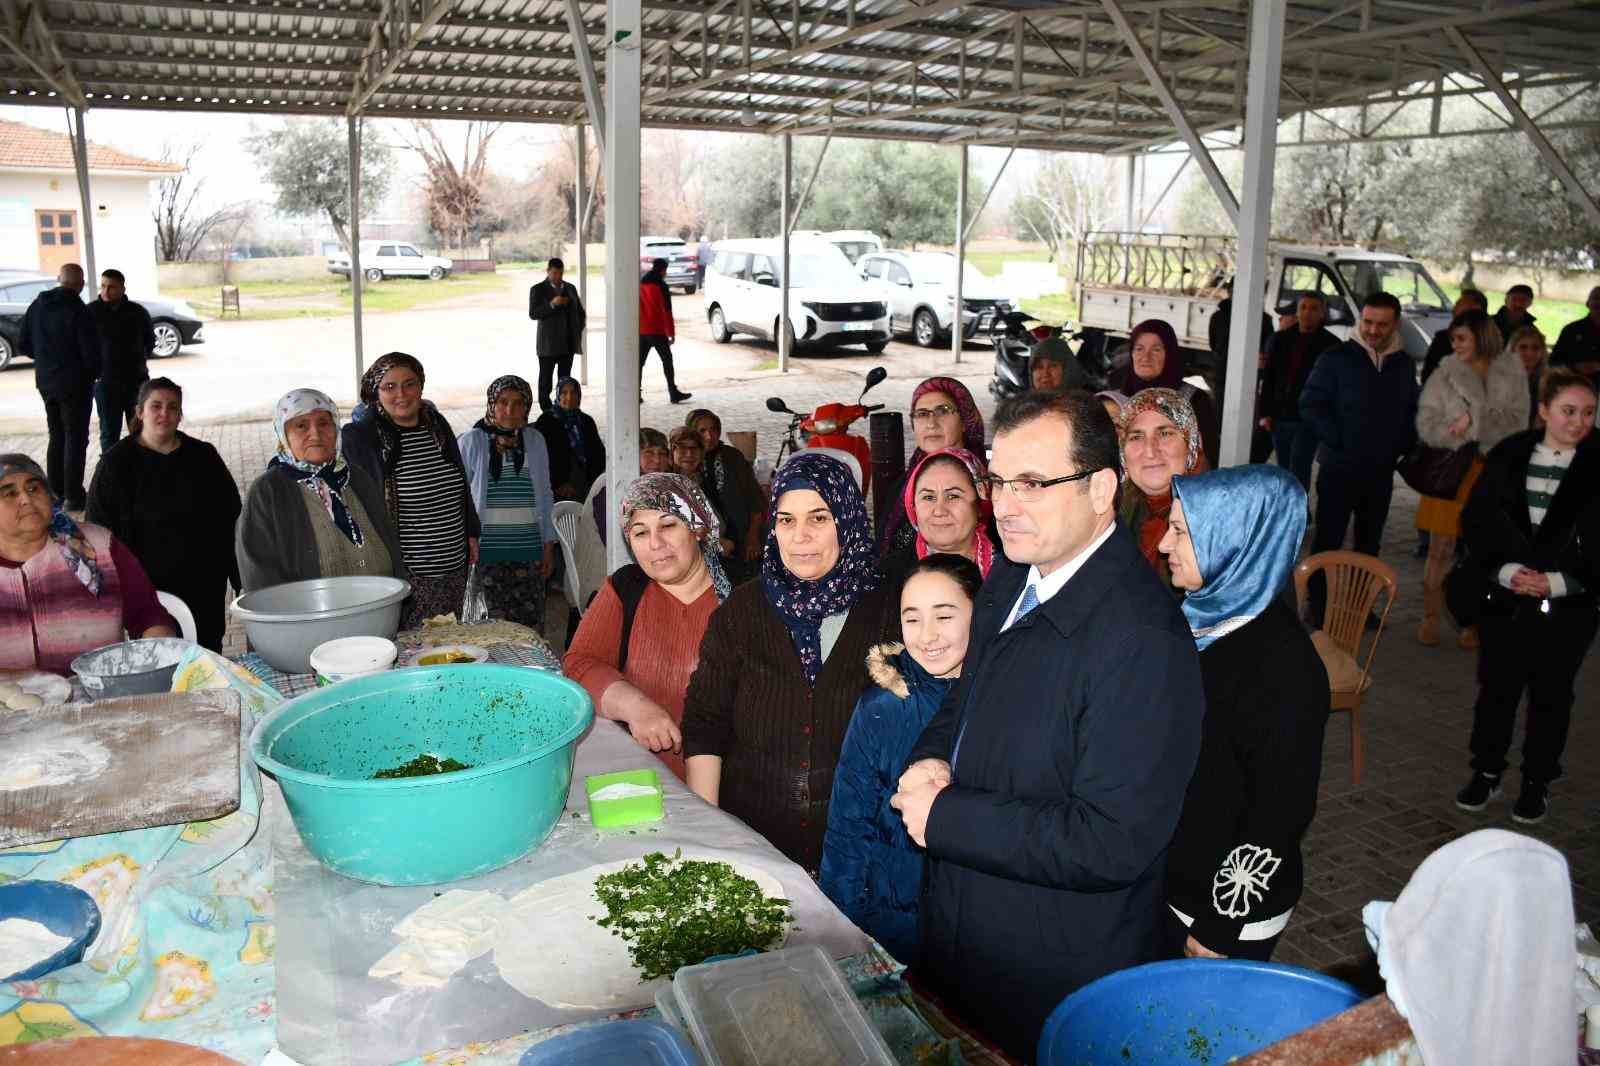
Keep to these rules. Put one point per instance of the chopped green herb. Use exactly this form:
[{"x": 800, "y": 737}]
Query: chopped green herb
[
  {"x": 675, "y": 912},
  {"x": 422, "y": 766}
]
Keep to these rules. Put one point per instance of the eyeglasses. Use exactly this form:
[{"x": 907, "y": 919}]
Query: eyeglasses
[
  {"x": 1028, "y": 489},
  {"x": 926, "y": 414}
]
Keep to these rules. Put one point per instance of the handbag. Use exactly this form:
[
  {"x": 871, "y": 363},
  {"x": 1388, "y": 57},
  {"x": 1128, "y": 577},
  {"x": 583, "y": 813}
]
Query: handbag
[{"x": 1437, "y": 472}]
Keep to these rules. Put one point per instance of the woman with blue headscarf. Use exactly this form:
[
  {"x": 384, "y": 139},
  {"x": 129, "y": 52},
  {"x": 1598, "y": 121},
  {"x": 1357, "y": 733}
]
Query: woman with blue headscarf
[
  {"x": 1234, "y": 871},
  {"x": 312, "y": 514},
  {"x": 783, "y": 661}
]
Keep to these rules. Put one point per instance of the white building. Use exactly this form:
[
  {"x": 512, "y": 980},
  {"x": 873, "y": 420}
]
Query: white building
[{"x": 40, "y": 212}]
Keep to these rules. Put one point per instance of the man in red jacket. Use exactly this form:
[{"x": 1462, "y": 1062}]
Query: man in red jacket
[{"x": 656, "y": 327}]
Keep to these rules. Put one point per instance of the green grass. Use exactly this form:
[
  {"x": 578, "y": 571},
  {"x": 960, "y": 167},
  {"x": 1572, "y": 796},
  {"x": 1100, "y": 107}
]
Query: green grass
[
  {"x": 262, "y": 301},
  {"x": 992, "y": 262}
]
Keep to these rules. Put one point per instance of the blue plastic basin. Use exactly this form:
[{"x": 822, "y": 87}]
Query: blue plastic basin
[
  {"x": 631, "y": 1042},
  {"x": 516, "y": 728},
  {"x": 64, "y": 909},
  {"x": 1200, "y": 1011}
]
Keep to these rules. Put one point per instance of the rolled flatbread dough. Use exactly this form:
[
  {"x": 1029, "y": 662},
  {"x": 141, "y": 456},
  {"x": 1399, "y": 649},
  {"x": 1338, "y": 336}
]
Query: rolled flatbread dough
[
  {"x": 440, "y": 937},
  {"x": 550, "y": 948}
]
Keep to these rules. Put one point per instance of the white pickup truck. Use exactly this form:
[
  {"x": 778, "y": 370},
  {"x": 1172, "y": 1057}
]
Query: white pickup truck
[
  {"x": 391, "y": 259},
  {"x": 1124, "y": 279}
]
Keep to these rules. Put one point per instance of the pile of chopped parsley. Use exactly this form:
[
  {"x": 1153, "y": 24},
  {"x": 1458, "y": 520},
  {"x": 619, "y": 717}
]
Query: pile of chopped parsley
[
  {"x": 676, "y": 912},
  {"x": 424, "y": 765}
]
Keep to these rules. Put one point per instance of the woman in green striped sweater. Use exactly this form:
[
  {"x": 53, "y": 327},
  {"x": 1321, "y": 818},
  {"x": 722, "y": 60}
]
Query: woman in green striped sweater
[{"x": 1532, "y": 529}]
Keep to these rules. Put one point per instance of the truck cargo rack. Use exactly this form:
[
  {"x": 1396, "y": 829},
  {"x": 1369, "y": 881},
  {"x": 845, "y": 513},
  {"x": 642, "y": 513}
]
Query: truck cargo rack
[{"x": 1177, "y": 264}]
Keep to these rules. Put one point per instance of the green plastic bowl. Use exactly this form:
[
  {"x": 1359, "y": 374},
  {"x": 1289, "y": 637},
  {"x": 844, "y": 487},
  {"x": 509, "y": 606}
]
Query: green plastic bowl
[{"x": 515, "y": 727}]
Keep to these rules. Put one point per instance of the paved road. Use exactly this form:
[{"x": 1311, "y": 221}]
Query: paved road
[{"x": 243, "y": 366}]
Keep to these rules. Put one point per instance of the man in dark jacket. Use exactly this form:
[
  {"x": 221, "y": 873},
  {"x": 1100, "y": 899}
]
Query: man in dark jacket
[
  {"x": 1291, "y": 353},
  {"x": 1513, "y": 314},
  {"x": 59, "y": 333},
  {"x": 126, "y": 341},
  {"x": 554, "y": 304},
  {"x": 1048, "y": 786},
  {"x": 1578, "y": 346},
  {"x": 1361, "y": 401},
  {"x": 657, "y": 328},
  {"x": 1439, "y": 348}
]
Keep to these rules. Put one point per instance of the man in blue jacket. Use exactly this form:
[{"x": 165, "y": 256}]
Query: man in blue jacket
[
  {"x": 1361, "y": 400},
  {"x": 59, "y": 332},
  {"x": 1048, "y": 786}
]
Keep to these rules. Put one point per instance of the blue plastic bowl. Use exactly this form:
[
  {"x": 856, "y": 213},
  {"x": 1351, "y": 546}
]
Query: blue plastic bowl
[
  {"x": 634, "y": 1042},
  {"x": 1188, "y": 1011},
  {"x": 515, "y": 728},
  {"x": 63, "y": 909}
]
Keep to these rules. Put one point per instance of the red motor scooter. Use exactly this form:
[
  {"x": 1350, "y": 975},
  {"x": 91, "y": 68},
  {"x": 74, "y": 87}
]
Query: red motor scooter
[{"x": 828, "y": 427}]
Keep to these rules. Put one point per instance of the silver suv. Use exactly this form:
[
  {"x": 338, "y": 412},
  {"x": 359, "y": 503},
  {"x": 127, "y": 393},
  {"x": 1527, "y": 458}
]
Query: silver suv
[{"x": 920, "y": 290}]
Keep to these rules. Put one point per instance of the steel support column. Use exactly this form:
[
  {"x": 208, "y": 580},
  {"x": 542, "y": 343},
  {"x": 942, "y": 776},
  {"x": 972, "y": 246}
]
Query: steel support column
[
  {"x": 1584, "y": 198},
  {"x": 1169, "y": 102},
  {"x": 356, "y": 281},
  {"x": 1255, "y": 228},
  {"x": 586, "y": 73},
  {"x": 80, "y": 162},
  {"x": 580, "y": 207},
  {"x": 805, "y": 194},
  {"x": 972, "y": 221},
  {"x": 622, "y": 106},
  {"x": 1130, "y": 189},
  {"x": 957, "y": 333},
  {"x": 785, "y": 328}
]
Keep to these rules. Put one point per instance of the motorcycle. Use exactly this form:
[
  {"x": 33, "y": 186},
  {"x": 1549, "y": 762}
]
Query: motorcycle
[
  {"x": 1014, "y": 339},
  {"x": 828, "y": 427}
]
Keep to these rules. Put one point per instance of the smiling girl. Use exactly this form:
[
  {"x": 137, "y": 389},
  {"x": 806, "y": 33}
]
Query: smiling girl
[{"x": 870, "y": 867}]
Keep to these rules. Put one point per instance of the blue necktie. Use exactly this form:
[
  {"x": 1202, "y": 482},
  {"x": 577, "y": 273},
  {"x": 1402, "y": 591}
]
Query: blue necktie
[{"x": 1030, "y": 600}]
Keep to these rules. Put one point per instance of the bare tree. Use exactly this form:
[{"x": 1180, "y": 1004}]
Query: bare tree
[
  {"x": 454, "y": 190},
  {"x": 182, "y": 224},
  {"x": 1069, "y": 196}
]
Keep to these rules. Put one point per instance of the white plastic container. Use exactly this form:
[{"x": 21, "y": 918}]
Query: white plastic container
[{"x": 340, "y": 660}]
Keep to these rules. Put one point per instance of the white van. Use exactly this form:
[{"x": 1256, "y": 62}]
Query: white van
[{"x": 829, "y": 305}]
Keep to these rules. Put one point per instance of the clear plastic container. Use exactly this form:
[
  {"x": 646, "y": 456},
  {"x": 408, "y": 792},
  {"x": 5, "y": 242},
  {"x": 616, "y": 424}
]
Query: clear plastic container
[{"x": 783, "y": 1008}]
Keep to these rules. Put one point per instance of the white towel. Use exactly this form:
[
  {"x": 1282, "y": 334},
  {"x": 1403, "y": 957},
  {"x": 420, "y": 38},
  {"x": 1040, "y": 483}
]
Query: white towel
[{"x": 1479, "y": 955}]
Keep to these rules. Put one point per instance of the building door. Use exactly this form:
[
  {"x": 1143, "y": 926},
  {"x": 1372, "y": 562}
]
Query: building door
[{"x": 58, "y": 239}]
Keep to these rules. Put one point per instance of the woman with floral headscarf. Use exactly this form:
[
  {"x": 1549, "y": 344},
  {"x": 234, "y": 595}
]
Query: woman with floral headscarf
[
  {"x": 64, "y": 588},
  {"x": 949, "y": 511},
  {"x": 577, "y": 454},
  {"x": 1156, "y": 362},
  {"x": 784, "y": 660},
  {"x": 508, "y": 473},
  {"x": 1234, "y": 871},
  {"x": 405, "y": 444},
  {"x": 1160, "y": 439},
  {"x": 943, "y": 415},
  {"x": 312, "y": 514},
  {"x": 640, "y": 638}
]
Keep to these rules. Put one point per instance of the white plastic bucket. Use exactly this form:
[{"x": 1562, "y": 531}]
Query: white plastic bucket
[{"x": 340, "y": 660}]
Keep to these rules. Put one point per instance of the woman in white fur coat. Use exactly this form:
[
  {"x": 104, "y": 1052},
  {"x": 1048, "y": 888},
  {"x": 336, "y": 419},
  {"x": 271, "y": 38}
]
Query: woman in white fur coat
[{"x": 1480, "y": 395}]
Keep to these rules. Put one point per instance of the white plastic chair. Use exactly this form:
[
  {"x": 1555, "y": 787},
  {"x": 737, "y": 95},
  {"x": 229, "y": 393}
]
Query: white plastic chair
[
  {"x": 849, "y": 460},
  {"x": 584, "y": 571},
  {"x": 180, "y": 613}
]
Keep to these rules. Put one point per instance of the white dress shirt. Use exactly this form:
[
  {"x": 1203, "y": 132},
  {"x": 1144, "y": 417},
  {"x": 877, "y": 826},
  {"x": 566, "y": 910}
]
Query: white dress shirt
[{"x": 1045, "y": 587}]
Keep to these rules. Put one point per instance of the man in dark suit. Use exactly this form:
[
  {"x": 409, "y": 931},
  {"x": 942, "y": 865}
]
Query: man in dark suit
[
  {"x": 127, "y": 340},
  {"x": 1049, "y": 784},
  {"x": 59, "y": 333},
  {"x": 554, "y": 304}
]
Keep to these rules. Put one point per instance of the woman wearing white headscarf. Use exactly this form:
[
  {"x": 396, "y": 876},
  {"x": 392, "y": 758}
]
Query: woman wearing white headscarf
[{"x": 312, "y": 514}]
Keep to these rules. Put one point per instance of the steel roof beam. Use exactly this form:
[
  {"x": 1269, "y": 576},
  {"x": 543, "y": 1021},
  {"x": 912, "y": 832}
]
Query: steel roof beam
[
  {"x": 24, "y": 33},
  {"x": 1575, "y": 188},
  {"x": 591, "y": 83},
  {"x": 393, "y": 38}
]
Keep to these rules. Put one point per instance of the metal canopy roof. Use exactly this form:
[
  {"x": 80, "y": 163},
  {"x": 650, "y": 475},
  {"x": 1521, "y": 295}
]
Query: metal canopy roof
[{"x": 1024, "y": 73}]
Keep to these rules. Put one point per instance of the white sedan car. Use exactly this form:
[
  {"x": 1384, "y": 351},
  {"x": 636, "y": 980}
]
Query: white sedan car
[{"x": 391, "y": 259}]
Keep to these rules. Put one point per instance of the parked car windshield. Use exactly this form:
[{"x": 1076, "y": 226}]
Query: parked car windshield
[
  {"x": 941, "y": 270},
  {"x": 816, "y": 271},
  {"x": 1407, "y": 281}
]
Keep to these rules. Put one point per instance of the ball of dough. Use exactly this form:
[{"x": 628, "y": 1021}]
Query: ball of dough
[{"x": 24, "y": 701}]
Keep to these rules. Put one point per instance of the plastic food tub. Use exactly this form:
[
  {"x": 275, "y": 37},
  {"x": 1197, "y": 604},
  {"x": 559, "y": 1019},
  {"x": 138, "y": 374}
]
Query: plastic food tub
[
  {"x": 626, "y": 810},
  {"x": 1187, "y": 1011},
  {"x": 516, "y": 729},
  {"x": 131, "y": 668},
  {"x": 285, "y": 623},
  {"x": 780, "y": 1007},
  {"x": 625, "y": 1042},
  {"x": 351, "y": 657},
  {"x": 64, "y": 909}
]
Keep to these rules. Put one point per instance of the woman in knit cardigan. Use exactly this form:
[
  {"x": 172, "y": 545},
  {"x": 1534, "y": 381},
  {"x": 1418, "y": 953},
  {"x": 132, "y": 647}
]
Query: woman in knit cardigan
[
  {"x": 674, "y": 584},
  {"x": 1532, "y": 528},
  {"x": 784, "y": 661}
]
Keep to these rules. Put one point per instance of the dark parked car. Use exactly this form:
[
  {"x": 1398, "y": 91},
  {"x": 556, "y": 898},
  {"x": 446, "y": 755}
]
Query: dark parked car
[{"x": 176, "y": 323}]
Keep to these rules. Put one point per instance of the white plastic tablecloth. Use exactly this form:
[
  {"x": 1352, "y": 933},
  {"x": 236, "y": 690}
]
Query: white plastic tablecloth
[{"x": 332, "y": 929}]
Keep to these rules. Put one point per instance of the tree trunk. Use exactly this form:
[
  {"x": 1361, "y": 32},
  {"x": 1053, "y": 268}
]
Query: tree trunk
[
  {"x": 1466, "y": 277},
  {"x": 340, "y": 232}
]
